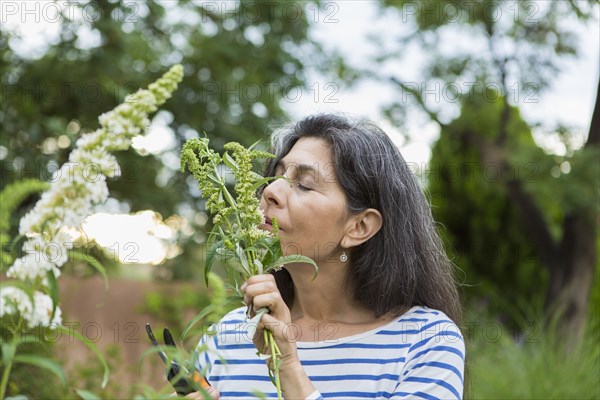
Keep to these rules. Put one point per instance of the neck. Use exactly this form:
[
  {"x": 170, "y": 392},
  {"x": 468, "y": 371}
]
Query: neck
[{"x": 327, "y": 298}]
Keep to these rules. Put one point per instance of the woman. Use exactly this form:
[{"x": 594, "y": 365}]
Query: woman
[{"x": 380, "y": 318}]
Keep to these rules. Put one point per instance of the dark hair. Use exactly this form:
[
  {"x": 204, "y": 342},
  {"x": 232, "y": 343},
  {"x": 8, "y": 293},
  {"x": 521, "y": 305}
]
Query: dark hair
[{"x": 402, "y": 265}]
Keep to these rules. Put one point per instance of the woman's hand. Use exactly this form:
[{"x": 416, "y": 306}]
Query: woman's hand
[{"x": 261, "y": 291}]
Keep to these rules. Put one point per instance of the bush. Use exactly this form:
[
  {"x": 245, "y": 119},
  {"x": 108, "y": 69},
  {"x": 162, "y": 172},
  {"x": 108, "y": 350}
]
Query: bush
[
  {"x": 539, "y": 368},
  {"x": 31, "y": 381}
]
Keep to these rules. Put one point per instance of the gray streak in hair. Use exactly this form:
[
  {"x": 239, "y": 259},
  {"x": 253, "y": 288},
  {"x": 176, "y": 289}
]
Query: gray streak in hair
[{"x": 405, "y": 263}]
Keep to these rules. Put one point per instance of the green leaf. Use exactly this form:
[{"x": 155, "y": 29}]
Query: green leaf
[
  {"x": 16, "y": 244},
  {"x": 14, "y": 194},
  {"x": 42, "y": 362},
  {"x": 237, "y": 266},
  {"x": 92, "y": 346},
  {"x": 256, "y": 176},
  {"x": 243, "y": 260},
  {"x": 229, "y": 197},
  {"x": 53, "y": 287},
  {"x": 254, "y": 144},
  {"x": 8, "y": 351},
  {"x": 85, "y": 395},
  {"x": 214, "y": 180},
  {"x": 93, "y": 262},
  {"x": 259, "y": 266},
  {"x": 293, "y": 258},
  {"x": 273, "y": 247},
  {"x": 210, "y": 258},
  {"x": 258, "y": 393},
  {"x": 261, "y": 182},
  {"x": 27, "y": 339},
  {"x": 230, "y": 162},
  {"x": 206, "y": 311}
]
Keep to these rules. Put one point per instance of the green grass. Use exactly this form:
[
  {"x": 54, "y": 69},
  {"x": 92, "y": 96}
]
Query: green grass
[{"x": 538, "y": 369}]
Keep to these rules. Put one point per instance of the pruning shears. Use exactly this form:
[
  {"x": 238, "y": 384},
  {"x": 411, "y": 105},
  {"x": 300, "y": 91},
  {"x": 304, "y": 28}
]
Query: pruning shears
[{"x": 183, "y": 385}]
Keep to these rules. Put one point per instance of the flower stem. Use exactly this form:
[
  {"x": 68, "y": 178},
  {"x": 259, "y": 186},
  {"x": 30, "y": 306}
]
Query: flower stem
[
  {"x": 4, "y": 382},
  {"x": 274, "y": 361},
  {"x": 271, "y": 344}
]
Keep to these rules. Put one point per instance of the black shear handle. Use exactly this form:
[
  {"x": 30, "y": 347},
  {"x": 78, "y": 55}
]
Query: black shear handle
[{"x": 182, "y": 385}]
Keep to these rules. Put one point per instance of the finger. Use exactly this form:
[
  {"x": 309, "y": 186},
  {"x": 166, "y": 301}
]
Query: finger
[
  {"x": 284, "y": 333},
  {"x": 261, "y": 287},
  {"x": 271, "y": 323},
  {"x": 271, "y": 300},
  {"x": 269, "y": 362},
  {"x": 285, "y": 340},
  {"x": 260, "y": 344},
  {"x": 214, "y": 394},
  {"x": 260, "y": 278},
  {"x": 255, "y": 289},
  {"x": 248, "y": 302}
]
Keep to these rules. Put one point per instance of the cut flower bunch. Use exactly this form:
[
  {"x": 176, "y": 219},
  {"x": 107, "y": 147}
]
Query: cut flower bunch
[{"x": 236, "y": 236}]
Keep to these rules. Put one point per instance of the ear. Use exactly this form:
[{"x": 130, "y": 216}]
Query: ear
[{"x": 361, "y": 227}]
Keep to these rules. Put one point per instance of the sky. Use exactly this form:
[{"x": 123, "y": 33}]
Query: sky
[{"x": 345, "y": 27}]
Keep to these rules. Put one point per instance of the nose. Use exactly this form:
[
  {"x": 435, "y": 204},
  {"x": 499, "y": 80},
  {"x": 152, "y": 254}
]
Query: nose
[{"x": 274, "y": 194}]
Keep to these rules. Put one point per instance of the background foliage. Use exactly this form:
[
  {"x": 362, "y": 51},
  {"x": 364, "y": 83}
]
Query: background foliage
[
  {"x": 486, "y": 233},
  {"x": 239, "y": 65},
  {"x": 488, "y": 177},
  {"x": 524, "y": 224}
]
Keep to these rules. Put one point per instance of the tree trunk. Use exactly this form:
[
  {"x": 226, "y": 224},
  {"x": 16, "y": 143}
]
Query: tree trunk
[
  {"x": 572, "y": 262},
  {"x": 571, "y": 279},
  {"x": 568, "y": 292}
]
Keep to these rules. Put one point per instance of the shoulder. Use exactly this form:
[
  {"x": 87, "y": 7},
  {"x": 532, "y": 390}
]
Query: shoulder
[
  {"x": 435, "y": 360},
  {"x": 426, "y": 318},
  {"x": 433, "y": 331},
  {"x": 422, "y": 328}
]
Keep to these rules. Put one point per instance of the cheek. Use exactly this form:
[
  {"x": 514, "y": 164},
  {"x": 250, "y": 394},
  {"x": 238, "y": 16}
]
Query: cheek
[
  {"x": 289, "y": 248},
  {"x": 320, "y": 251},
  {"x": 315, "y": 235},
  {"x": 301, "y": 239}
]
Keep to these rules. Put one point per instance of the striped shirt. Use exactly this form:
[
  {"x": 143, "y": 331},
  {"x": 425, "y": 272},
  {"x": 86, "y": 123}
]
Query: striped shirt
[{"x": 420, "y": 354}]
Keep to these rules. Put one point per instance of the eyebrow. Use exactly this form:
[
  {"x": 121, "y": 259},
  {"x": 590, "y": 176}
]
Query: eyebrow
[{"x": 302, "y": 168}]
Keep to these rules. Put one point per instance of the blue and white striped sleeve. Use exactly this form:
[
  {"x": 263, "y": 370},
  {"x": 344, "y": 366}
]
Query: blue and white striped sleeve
[
  {"x": 206, "y": 349},
  {"x": 435, "y": 363},
  {"x": 314, "y": 396}
]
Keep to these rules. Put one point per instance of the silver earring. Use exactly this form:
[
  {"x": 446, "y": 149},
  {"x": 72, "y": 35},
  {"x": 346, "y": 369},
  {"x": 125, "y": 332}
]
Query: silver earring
[{"x": 343, "y": 257}]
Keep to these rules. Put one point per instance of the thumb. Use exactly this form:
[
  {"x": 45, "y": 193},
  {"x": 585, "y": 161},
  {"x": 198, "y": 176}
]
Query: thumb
[{"x": 214, "y": 394}]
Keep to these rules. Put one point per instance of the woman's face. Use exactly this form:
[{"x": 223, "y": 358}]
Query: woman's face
[{"x": 311, "y": 209}]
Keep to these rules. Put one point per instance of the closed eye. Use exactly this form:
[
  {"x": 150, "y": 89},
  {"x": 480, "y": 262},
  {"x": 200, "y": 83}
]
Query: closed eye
[{"x": 298, "y": 173}]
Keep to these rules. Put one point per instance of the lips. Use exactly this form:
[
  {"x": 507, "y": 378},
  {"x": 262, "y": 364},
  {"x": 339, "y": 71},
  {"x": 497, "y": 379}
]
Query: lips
[{"x": 268, "y": 224}]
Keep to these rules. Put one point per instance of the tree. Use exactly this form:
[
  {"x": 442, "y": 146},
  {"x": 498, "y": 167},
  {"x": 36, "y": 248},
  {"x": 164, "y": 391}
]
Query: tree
[
  {"x": 241, "y": 61},
  {"x": 479, "y": 221},
  {"x": 515, "y": 56}
]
